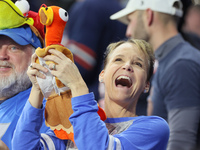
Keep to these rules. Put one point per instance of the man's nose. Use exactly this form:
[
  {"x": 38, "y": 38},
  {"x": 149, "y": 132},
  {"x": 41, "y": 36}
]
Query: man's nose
[
  {"x": 3, "y": 53},
  {"x": 128, "y": 32}
]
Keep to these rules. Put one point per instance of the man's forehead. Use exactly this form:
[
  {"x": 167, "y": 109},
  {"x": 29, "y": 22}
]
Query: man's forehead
[
  {"x": 134, "y": 13},
  {"x": 5, "y": 40}
]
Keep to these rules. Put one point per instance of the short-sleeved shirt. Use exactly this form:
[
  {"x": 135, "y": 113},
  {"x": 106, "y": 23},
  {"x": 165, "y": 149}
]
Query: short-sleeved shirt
[{"x": 177, "y": 80}]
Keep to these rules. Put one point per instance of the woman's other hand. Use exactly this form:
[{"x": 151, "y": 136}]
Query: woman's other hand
[{"x": 34, "y": 70}]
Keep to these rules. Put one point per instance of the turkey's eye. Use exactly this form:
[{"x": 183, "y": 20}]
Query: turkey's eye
[{"x": 63, "y": 14}]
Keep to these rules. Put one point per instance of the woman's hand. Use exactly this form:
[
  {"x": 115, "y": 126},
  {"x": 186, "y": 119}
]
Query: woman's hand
[
  {"x": 67, "y": 72},
  {"x": 34, "y": 70}
]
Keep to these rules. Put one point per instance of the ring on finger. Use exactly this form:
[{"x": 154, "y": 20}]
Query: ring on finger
[
  {"x": 31, "y": 65},
  {"x": 54, "y": 67}
]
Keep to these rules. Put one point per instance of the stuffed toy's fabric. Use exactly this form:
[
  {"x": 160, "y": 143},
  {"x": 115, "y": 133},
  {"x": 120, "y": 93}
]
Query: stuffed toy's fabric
[
  {"x": 11, "y": 16},
  {"x": 37, "y": 24}
]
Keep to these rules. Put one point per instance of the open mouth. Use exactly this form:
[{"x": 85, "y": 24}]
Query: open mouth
[{"x": 123, "y": 81}]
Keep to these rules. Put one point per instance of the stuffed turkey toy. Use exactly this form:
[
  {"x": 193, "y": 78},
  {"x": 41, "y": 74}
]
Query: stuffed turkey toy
[{"x": 58, "y": 106}]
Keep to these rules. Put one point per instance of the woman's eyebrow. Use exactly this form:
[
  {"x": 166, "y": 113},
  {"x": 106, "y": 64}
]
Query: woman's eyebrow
[
  {"x": 119, "y": 55},
  {"x": 140, "y": 59},
  {"x": 137, "y": 58}
]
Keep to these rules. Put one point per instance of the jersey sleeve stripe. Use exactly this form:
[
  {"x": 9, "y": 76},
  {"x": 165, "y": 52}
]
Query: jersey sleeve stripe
[
  {"x": 114, "y": 143},
  {"x": 48, "y": 141}
]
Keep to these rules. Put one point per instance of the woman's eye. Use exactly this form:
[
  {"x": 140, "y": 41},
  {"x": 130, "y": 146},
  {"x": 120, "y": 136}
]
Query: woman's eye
[
  {"x": 118, "y": 59},
  {"x": 138, "y": 64}
]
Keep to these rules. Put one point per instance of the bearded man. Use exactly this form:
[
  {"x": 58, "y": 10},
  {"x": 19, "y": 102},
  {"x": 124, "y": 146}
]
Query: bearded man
[{"x": 16, "y": 48}]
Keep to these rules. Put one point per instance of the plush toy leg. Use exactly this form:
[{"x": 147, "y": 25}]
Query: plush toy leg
[{"x": 57, "y": 112}]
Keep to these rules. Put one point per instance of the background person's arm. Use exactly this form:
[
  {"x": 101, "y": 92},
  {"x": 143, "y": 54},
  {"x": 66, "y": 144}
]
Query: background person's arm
[{"x": 183, "y": 125}]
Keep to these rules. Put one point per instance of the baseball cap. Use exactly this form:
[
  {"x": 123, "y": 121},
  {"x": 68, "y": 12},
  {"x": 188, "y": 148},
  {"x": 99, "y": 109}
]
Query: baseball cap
[
  {"x": 22, "y": 35},
  {"x": 172, "y": 7}
]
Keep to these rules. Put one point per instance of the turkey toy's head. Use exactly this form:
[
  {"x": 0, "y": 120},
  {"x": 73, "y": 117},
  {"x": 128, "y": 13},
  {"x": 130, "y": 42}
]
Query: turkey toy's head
[{"x": 55, "y": 19}]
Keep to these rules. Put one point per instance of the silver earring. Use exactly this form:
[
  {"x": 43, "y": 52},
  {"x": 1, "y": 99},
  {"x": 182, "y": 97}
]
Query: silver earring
[
  {"x": 101, "y": 80},
  {"x": 145, "y": 91}
]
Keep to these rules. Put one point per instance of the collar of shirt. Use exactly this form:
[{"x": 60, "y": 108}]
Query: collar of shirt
[{"x": 168, "y": 46}]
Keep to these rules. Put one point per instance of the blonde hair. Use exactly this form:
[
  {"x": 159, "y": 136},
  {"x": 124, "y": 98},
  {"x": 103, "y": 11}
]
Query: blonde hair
[{"x": 144, "y": 46}]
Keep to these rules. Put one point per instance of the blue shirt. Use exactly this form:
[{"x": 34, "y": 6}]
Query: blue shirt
[{"x": 10, "y": 111}]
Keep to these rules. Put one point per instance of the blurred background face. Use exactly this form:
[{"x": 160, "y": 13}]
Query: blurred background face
[
  {"x": 136, "y": 28},
  {"x": 125, "y": 74},
  {"x": 14, "y": 61},
  {"x": 192, "y": 21}
]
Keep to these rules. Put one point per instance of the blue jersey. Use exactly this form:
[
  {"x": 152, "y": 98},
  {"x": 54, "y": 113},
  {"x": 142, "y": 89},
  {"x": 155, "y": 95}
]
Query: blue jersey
[
  {"x": 129, "y": 133},
  {"x": 10, "y": 111}
]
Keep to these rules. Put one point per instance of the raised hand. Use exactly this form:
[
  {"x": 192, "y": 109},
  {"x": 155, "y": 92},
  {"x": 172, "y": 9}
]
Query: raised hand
[
  {"x": 36, "y": 96},
  {"x": 67, "y": 72}
]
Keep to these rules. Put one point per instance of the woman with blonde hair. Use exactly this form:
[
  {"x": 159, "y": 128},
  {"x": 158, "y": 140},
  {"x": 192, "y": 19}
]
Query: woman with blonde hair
[{"x": 128, "y": 66}]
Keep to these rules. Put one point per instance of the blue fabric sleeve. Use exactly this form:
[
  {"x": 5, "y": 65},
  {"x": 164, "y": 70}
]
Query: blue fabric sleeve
[
  {"x": 89, "y": 131},
  {"x": 27, "y": 135}
]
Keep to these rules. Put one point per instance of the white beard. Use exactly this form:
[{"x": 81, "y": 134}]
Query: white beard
[{"x": 13, "y": 84}]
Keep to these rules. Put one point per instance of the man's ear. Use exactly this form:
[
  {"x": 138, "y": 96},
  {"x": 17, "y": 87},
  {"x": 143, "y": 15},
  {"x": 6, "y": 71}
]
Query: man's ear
[
  {"x": 101, "y": 75},
  {"x": 146, "y": 88},
  {"x": 150, "y": 16}
]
